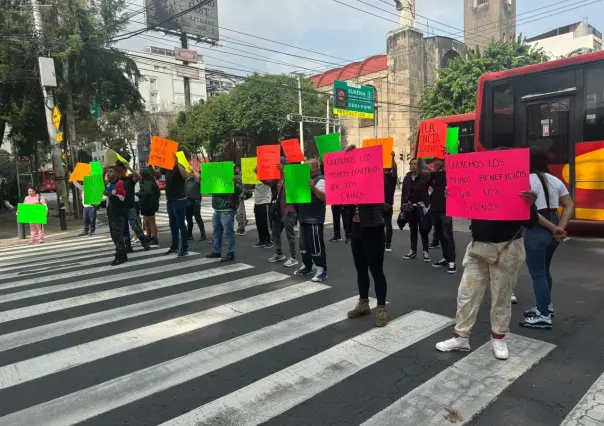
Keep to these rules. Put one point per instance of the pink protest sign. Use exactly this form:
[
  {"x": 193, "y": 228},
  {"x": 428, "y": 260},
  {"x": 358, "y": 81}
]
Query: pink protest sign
[
  {"x": 487, "y": 185},
  {"x": 355, "y": 177}
]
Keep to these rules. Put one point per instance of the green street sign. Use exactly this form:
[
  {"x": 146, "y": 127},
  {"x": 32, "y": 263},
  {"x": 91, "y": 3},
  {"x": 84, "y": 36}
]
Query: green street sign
[{"x": 353, "y": 100}]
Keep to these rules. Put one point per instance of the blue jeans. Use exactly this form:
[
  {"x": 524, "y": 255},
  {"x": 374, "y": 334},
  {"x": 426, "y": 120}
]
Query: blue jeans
[
  {"x": 89, "y": 219},
  {"x": 223, "y": 223},
  {"x": 176, "y": 214},
  {"x": 540, "y": 246}
]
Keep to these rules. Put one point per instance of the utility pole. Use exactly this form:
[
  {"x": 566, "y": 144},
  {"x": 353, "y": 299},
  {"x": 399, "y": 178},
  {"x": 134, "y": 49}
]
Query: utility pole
[
  {"x": 48, "y": 81},
  {"x": 300, "y": 111},
  {"x": 187, "y": 81},
  {"x": 327, "y": 118},
  {"x": 70, "y": 144}
]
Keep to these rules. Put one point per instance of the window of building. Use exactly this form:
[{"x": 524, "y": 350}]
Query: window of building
[
  {"x": 153, "y": 83},
  {"x": 593, "y": 126},
  {"x": 503, "y": 116},
  {"x": 480, "y": 2},
  {"x": 153, "y": 99}
]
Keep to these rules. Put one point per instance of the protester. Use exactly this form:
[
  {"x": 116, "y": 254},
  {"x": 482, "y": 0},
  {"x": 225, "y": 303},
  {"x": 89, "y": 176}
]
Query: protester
[
  {"x": 223, "y": 221},
  {"x": 390, "y": 178},
  {"x": 368, "y": 247},
  {"x": 415, "y": 201},
  {"x": 337, "y": 213},
  {"x": 193, "y": 193},
  {"x": 89, "y": 214},
  {"x": 542, "y": 241},
  {"x": 312, "y": 219},
  {"x": 262, "y": 201},
  {"x": 149, "y": 196},
  {"x": 115, "y": 192},
  {"x": 493, "y": 258},
  {"x": 131, "y": 215},
  {"x": 36, "y": 230}
]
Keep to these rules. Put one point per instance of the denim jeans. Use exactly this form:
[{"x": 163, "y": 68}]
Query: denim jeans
[
  {"x": 223, "y": 223},
  {"x": 540, "y": 247},
  {"x": 89, "y": 219},
  {"x": 176, "y": 214}
]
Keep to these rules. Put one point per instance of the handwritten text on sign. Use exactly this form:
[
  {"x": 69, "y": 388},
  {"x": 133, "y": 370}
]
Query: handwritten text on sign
[
  {"x": 487, "y": 185},
  {"x": 355, "y": 177},
  {"x": 432, "y": 139},
  {"x": 268, "y": 158},
  {"x": 162, "y": 153}
]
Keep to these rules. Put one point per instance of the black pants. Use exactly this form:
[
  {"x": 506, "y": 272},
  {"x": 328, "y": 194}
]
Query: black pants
[
  {"x": 388, "y": 222},
  {"x": 337, "y": 212},
  {"x": 418, "y": 224},
  {"x": 116, "y": 230},
  {"x": 443, "y": 230},
  {"x": 132, "y": 221},
  {"x": 194, "y": 209},
  {"x": 262, "y": 222},
  {"x": 368, "y": 245},
  {"x": 312, "y": 245}
]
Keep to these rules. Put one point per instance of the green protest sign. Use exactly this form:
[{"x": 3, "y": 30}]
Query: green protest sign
[
  {"x": 452, "y": 138},
  {"x": 217, "y": 178},
  {"x": 96, "y": 169},
  {"x": 297, "y": 190},
  {"x": 32, "y": 213},
  {"x": 93, "y": 189},
  {"x": 328, "y": 143}
]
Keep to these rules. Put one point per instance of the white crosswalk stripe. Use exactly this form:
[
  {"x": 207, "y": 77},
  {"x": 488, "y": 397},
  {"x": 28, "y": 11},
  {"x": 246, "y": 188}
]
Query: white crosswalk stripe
[{"x": 90, "y": 341}]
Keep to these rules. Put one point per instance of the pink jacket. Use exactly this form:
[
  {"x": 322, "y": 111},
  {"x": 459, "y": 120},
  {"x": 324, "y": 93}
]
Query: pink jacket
[{"x": 36, "y": 199}]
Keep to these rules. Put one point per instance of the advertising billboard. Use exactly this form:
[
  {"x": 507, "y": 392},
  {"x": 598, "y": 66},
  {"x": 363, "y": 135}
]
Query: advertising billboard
[{"x": 202, "y": 21}]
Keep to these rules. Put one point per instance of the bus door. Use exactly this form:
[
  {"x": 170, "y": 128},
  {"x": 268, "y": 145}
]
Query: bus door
[{"x": 549, "y": 119}]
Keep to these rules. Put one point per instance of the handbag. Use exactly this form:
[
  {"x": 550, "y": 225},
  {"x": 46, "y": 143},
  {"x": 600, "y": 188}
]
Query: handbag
[{"x": 487, "y": 252}]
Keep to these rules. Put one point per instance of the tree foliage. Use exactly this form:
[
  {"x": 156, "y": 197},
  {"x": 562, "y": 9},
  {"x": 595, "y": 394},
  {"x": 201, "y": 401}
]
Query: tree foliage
[{"x": 454, "y": 92}]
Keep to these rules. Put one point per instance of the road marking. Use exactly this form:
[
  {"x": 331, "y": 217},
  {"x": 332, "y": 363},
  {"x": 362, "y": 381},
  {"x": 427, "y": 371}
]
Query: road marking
[
  {"x": 52, "y": 254},
  {"x": 84, "y": 404},
  {"x": 136, "y": 274},
  {"x": 34, "y": 368},
  {"x": 48, "y": 331},
  {"x": 55, "y": 245},
  {"x": 58, "y": 305},
  {"x": 468, "y": 386},
  {"x": 156, "y": 256},
  {"x": 57, "y": 259},
  {"x": 589, "y": 411},
  {"x": 281, "y": 391}
]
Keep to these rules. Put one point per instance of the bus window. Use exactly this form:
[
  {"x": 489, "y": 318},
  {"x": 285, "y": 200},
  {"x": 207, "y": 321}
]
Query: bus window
[
  {"x": 548, "y": 127},
  {"x": 466, "y": 137},
  {"x": 503, "y": 116},
  {"x": 593, "y": 126}
]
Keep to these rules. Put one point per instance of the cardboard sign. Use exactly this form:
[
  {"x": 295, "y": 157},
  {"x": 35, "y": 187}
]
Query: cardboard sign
[
  {"x": 355, "y": 177},
  {"x": 217, "y": 178},
  {"x": 296, "y": 183},
  {"x": 111, "y": 157},
  {"x": 32, "y": 213},
  {"x": 268, "y": 158},
  {"x": 487, "y": 185},
  {"x": 162, "y": 153},
  {"x": 93, "y": 189},
  {"x": 453, "y": 140},
  {"x": 182, "y": 160},
  {"x": 248, "y": 174},
  {"x": 291, "y": 148},
  {"x": 432, "y": 139},
  {"x": 80, "y": 170},
  {"x": 328, "y": 143},
  {"x": 387, "y": 145},
  {"x": 96, "y": 169}
]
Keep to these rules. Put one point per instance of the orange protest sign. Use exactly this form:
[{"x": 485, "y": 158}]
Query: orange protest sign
[
  {"x": 387, "y": 145},
  {"x": 80, "y": 170},
  {"x": 162, "y": 152},
  {"x": 291, "y": 148},
  {"x": 268, "y": 158},
  {"x": 432, "y": 139}
]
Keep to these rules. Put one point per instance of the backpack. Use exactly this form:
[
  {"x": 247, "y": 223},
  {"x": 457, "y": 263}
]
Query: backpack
[{"x": 192, "y": 190}]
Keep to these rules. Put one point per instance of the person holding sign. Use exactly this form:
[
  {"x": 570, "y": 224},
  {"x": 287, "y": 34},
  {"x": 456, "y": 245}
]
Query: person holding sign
[
  {"x": 312, "y": 218},
  {"x": 36, "y": 230},
  {"x": 414, "y": 206},
  {"x": 89, "y": 213},
  {"x": 130, "y": 211},
  {"x": 116, "y": 213}
]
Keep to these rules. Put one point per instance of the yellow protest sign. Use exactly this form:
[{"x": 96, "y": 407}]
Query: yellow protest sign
[
  {"x": 248, "y": 174},
  {"x": 182, "y": 160}
]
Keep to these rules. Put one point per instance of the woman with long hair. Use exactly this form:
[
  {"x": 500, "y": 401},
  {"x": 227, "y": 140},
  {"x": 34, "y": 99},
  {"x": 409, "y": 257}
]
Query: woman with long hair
[
  {"x": 415, "y": 201},
  {"x": 36, "y": 230},
  {"x": 149, "y": 196},
  {"x": 542, "y": 241}
]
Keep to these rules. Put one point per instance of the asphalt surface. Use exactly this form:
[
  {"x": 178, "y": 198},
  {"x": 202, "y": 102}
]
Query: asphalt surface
[{"x": 185, "y": 342}]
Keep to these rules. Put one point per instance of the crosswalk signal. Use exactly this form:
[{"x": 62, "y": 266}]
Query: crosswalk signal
[{"x": 63, "y": 160}]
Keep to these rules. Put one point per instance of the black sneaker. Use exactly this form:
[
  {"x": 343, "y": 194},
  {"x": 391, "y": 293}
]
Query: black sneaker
[
  {"x": 213, "y": 256},
  {"x": 241, "y": 232},
  {"x": 153, "y": 241},
  {"x": 388, "y": 247},
  {"x": 303, "y": 271},
  {"x": 451, "y": 268},
  {"x": 82, "y": 234},
  {"x": 411, "y": 255},
  {"x": 259, "y": 244},
  {"x": 543, "y": 322},
  {"x": 145, "y": 245},
  {"x": 183, "y": 253},
  {"x": 129, "y": 250},
  {"x": 171, "y": 251},
  {"x": 190, "y": 237},
  {"x": 269, "y": 245},
  {"x": 347, "y": 240},
  {"x": 228, "y": 258},
  {"x": 441, "y": 263},
  {"x": 335, "y": 239},
  {"x": 534, "y": 312},
  {"x": 91, "y": 234},
  {"x": 434, "y": 245},
  {"x": 203, "y": 237}
]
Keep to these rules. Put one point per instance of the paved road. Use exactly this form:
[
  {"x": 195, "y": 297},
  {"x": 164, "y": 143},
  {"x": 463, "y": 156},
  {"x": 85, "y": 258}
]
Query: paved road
[{"x": 192, "y": 342}]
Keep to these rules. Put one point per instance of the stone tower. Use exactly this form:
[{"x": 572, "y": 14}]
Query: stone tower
[{"x": 486, "y": 21}]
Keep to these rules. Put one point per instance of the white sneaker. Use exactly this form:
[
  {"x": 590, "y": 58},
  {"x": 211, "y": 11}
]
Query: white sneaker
[
  {"x": 458, "y": 344},
  {"x": 290, "y": 262},
  {"x": 500, "y": 348},
  {"x": 277, "y": 258},
  {"x": 427, "y": 257},
  {"x": 514, "y": 299}
]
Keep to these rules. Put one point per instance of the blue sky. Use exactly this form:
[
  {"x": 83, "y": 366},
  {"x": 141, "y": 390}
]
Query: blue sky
[{"x": 346, "y": 34}]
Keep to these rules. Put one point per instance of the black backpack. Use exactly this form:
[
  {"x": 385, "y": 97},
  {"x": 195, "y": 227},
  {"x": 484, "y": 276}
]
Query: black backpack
[{"x": 192, "y": 191}]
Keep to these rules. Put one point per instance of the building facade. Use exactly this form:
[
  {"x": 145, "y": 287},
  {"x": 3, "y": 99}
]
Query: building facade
[
  {"x": 218, "y": 82},
  {"x": 486, "y": 21},
  {"x": 570, "y": 38}
]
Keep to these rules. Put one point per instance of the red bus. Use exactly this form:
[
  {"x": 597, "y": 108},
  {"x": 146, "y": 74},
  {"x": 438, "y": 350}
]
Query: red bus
[
  {"x": 47, "y": 181},
  {"x": 465, "y": 122},
  {"x": 559, "y": 106}
]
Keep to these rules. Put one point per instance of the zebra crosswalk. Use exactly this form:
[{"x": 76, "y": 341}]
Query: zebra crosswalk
[{"x": 154, "y": 341}]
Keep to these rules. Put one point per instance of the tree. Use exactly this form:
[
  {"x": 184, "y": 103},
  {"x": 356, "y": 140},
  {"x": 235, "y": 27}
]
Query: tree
[
  {"x": 578, "y": 52},
  {"x": 454, "y": 92}
]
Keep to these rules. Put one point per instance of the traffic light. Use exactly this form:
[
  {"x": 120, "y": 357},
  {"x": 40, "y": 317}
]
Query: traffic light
[{"x": 64, "y": 160}]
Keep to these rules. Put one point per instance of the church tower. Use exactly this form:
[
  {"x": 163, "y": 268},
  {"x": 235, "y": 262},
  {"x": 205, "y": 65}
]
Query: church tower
[{"x": 486, "y": 21}]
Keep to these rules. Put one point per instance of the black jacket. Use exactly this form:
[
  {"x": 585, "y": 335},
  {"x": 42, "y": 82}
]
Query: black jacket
[
  {"x": 370, "y": 215},
  {"x": 314, "y": 212},
  {"x": 415, "y": 190},
  {"x": 502, "y": 231}
]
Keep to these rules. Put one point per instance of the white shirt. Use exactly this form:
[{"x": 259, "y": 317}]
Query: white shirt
[
  {"x": 556, "y": 189},
  {"x": 320, "y": 185},
  {"x": 262, "y": 194},
  {"x": 137, "y": 188}
]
